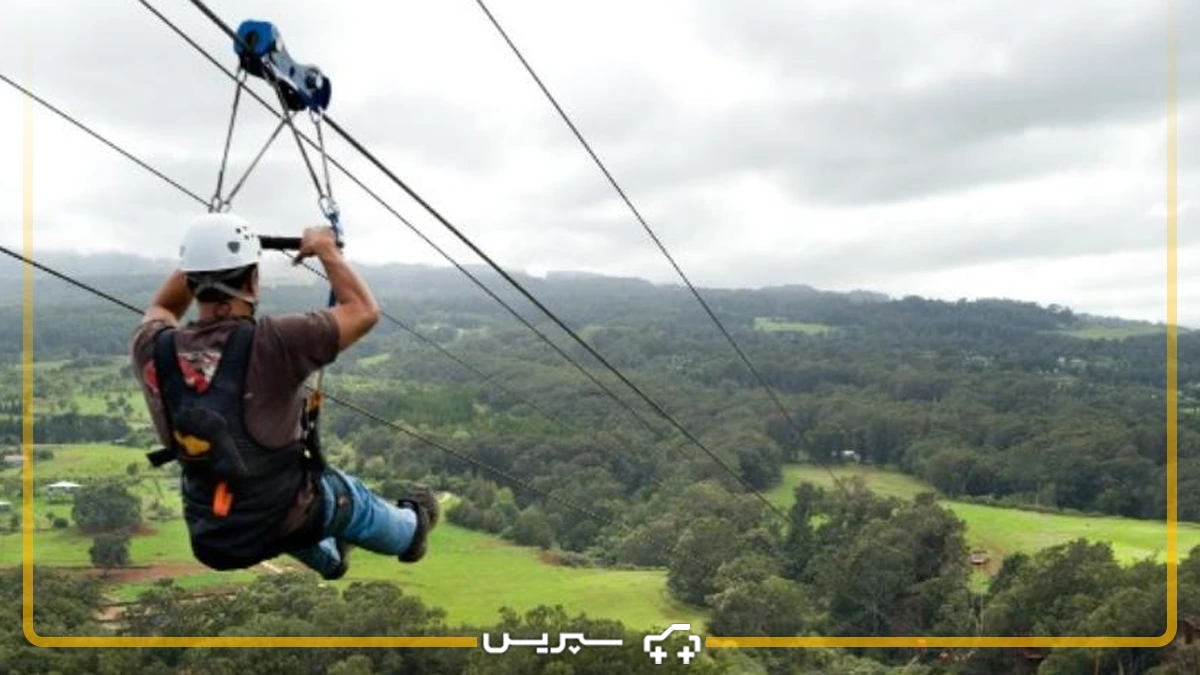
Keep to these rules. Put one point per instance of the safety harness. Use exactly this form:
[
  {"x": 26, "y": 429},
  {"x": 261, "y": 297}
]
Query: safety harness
[{"x": 237, "y": 494}]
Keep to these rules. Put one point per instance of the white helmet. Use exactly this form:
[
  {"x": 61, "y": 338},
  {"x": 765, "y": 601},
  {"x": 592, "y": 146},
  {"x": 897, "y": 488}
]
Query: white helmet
[
  {"x": 218, "y": 242},
  {"x": 215, "y": 248}
]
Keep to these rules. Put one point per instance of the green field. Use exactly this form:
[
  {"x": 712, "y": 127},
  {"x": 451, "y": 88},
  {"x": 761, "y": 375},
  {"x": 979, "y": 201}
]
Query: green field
[
  {"x": 1000, "y": 531},
  {"x": 80, "y": 463},
  {"x": 1097, "y": 332},
  {"x": 469, "y": 574},
  {"x": 90, "y": 460},
  {"x": 371, "y": 361},
  {"x": 769, "y": 325},
  {"x": 472, "y": 575}
]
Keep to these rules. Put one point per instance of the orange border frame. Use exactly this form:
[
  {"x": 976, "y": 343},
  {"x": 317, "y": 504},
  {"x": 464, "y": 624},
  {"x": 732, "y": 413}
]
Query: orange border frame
[{"x": 710, "y": 642}]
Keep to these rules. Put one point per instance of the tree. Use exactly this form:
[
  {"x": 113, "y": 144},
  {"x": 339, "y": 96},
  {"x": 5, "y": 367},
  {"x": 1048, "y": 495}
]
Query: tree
[
  {"x": 64, "y": 604},
  {"x": 355, "y": 665},
  {"x": 110, "y": 550},
  {"x": 373, "y": 442},
  {"x": 106, "y": 507},
  {"x": 1055, "y": 591},
  {"x": 760, "y": 466},
  {"x": 773, "y": 606},
  {"x": 704, "y": 547},
  {"x": 649, "y": 545},
  {"x": 894, "y": 573},
  {"x": 800, "y": 544},
  {"x": 532, "y": 528}
]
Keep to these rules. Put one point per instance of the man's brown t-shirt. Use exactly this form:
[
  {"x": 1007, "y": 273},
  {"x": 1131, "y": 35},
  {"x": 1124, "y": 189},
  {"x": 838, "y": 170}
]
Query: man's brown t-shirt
[{"x": 286, "y": 349}]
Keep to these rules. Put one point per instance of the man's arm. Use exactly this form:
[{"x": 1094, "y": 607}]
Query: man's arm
[
  {"x": 356, "y": 311},
  {"x": 171, "y": 302}
]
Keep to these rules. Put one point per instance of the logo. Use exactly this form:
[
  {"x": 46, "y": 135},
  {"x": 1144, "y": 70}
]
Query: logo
[
  {"x": 685, "y": 653},
  {"x": 574, "y": 642}
]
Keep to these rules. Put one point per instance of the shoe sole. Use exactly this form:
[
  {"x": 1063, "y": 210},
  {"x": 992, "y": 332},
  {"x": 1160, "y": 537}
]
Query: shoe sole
[{"x": 427, "y": 520}]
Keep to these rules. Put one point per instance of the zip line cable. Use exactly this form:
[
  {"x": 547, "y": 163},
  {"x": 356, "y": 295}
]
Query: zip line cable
[
  {"x": 646, "y": 226},
  {"x": 102, "y": 139},
  {"x": 487, "y": 378},
  {"x": 68, "y": 117},
  {"x": 490, "y": 379},
  {"x": 346, "y": 404},
  {"x": 346, "y": 136},
  {"x": 462, "y": 269},
  {"x": 70, "y": 280},
  {"x": 125, "y": 305},
  {"x": 200, "y": 200},
  {"x": 354, "y": 179},
  {"x": 193, "y": 196}
]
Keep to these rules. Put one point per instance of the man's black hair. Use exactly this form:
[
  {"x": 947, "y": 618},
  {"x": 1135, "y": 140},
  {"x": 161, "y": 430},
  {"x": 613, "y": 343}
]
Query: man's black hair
[{"x": 238, "y": 278}]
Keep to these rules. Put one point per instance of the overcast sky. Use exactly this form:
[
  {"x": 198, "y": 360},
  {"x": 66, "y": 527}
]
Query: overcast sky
[{"x": 978, "y": 148}]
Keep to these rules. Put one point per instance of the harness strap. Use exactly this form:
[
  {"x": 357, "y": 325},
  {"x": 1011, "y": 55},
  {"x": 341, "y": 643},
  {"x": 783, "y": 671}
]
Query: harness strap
[
  {"x": 235, "y": 356},
  {"x": 311, "y": 438},
  {"x": 160, "y": 456},
  {"x": 169, "y": 378},
  {"x": 171, "y": 385}
]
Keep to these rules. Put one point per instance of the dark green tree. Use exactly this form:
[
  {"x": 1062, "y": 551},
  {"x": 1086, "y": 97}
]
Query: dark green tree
[
  {"x": 106, "y": 507},
  {"x": 110, "y": 550}
]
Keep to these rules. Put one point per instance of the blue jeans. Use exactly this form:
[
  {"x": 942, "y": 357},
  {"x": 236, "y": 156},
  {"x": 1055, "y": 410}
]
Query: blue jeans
[{"x": 373, "y": 524}]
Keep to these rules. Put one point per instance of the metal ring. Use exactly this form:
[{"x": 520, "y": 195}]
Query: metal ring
[
  {"x": 329, "y": 208},
  {"x": 217, "y": 204}
]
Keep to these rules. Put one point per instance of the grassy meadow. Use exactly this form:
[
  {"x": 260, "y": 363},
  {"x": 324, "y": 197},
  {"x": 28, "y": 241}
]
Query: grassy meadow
[
  {"x": 1000, "y": 530},
  {"x": 1101, "y": 332},
  {"x": 769, "y": 325},
  {"x": 469, "y": 574}
]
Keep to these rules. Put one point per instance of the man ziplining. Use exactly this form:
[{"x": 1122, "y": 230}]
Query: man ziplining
[{"x": 226, "y": 395}]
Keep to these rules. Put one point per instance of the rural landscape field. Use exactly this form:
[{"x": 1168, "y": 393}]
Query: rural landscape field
[{"x": 949, "y": 471}]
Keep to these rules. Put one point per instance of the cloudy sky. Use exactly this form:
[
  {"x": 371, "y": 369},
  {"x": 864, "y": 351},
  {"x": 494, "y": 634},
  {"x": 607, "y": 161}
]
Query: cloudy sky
[{"x": 979, "y": 148}]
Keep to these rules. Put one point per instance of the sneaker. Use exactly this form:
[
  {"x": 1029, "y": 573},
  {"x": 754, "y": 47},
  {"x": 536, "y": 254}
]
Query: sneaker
[{"x": 424, "y": 503}]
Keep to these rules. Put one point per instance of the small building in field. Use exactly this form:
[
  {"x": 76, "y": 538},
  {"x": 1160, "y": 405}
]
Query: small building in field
[{"x": 62, "y": 487}]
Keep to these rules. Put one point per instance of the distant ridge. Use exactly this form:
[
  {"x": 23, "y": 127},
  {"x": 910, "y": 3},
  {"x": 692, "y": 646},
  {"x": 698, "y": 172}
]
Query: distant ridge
[
  {"x": 123, "y": 272},
  {"x": 96, "y": 264}
]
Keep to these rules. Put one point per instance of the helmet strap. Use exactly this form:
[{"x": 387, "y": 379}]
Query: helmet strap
[
  {"x": 208, "y": 281},
  {"x": 231, "y": 291}
]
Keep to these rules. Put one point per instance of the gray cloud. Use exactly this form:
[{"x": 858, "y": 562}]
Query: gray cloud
[
  {"x": 437, "y": 131},
  {"x": 122, "y": 68},
  {"x": 119, "y": 68},
  {"x": 612, "y": 106},
  {"x": 880, "y": 142}
]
